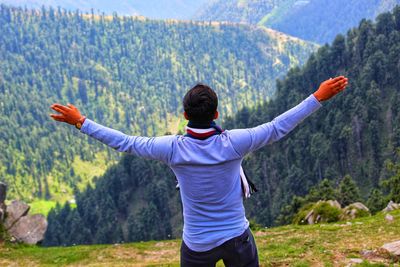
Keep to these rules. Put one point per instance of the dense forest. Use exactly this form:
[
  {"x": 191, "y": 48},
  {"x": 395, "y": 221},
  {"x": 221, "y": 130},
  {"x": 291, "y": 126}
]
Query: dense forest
[
  {"x": 314, "y": 20},
  {"x": 125, "y": 72},
  {"x": 350, "y": 143}
]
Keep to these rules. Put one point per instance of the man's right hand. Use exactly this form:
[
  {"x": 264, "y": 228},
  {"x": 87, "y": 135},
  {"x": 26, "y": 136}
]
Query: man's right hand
[
  {"x": 331, "y": 87},
  {"x": 69, "y": 114}
]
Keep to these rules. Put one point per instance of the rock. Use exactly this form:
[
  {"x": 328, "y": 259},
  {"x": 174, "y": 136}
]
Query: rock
[
  {"x": 309, "y": 217},
  {"x": 3, "y": 192},
  {"x": 15, "y": 211},
  {"x": 355, "y": 210},
  {"x": 356, "y": 260},
  {"x": 392, "y": 248},
  {"x": 29, "y": 229},
  {"x": 2, "y": 214},
  {"x": 368, "y": 254},
  {"x": 321, "y": 211},
  {"x": 389, "y": 218},
  {"x": 391, "y": 206},
  {"x": 334, "y": 203}
]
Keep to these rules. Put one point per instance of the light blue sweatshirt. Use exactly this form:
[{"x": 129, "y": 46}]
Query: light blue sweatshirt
[{"x": 208, "y": 171}]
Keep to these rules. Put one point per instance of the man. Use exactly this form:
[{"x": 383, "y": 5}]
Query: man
[{"x": 207, "y": 163}]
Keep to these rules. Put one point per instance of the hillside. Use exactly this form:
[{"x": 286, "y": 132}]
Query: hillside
[
  {"x": 126, "y": 72},
  {"x": 338, "y": 244},
  {"x": 247, "y": 11},
  {"x": 356, "y": 134},
  {"x": 314, "y": 20},
  {"x": 158, "y": 9}
]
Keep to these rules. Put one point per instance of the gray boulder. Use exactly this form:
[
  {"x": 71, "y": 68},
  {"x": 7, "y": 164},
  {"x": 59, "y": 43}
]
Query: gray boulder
[
  {"x": 392, "y": 248},
  {"x": 29, "y": 229},
  {"x": 391, "y": 206},
  {"x": 355, "y": 210},
  {"x": 15, "y": 211}
]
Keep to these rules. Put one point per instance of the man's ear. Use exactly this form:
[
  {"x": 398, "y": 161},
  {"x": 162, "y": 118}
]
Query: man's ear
[
  {"x": 216, "y": 115},
  {"x": 185, "y": 115}
]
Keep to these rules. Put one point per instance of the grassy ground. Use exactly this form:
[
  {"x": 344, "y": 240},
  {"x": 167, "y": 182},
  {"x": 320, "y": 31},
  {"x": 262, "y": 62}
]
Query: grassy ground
[
  {"x": 41, "y": 206},
  {"x": 337, "y": 244}
]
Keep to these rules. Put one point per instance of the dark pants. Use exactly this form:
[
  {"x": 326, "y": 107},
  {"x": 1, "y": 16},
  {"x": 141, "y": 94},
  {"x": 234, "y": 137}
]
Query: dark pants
[{"x": 239, "y": 251}]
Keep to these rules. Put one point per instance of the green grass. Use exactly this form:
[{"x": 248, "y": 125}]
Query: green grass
[
  {"x": 41, "y": 206},
  {"x": 87, "y": 170},
  {"x": 332, "y": 244}
]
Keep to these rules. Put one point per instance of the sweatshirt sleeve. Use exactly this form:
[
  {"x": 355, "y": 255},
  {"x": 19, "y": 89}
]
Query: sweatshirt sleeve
[
  {"x": 158, "y": 148},
  {"x": 247, "y": 140}
]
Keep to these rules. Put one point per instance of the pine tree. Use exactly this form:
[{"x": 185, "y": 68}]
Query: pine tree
[
  {"x": 323, "y": 191},
  {"x": 348, "y": 191},
  {"x": 376, "y": 201},
  {"x": 393, "y": 183}
]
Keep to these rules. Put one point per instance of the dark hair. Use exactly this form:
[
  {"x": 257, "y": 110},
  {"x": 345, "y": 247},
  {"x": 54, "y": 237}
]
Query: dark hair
[{"x": 200, "y": 103}]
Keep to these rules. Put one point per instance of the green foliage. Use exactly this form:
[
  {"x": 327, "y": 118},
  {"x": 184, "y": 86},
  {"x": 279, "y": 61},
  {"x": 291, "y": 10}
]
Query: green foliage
[
  {"x": 327, "y": 212},
  {"x": 302, "y": 213},
  {"x": 125, "y": 72},
  {"x": 323, "y": 191},
  {"x": 4, "y": 236},
  {"x": 348, "y": 191},
  {"x": 362, "y": 213},
  {"x": 376, "y": 201},
  {"x": 41, "y": 207},
  {"x": 392, "y": 184},
  {"x": 134, "y": 200},
  {"x": 322, "y": 210}
]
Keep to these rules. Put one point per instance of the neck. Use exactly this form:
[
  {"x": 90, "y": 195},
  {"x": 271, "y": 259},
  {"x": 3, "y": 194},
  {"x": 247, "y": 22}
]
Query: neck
[
  {"x": 202, "y": 130},
  {"x": 201, "y": 125}
]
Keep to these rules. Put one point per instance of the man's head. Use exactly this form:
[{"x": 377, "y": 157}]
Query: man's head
[{"x": 200, "y": 104}]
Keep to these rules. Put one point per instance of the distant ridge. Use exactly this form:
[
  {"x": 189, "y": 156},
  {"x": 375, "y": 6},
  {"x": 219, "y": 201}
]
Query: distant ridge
[{"x": 314, "y": 20}]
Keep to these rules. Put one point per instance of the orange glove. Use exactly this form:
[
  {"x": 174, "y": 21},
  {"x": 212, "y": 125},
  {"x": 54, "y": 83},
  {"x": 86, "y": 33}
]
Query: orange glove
[
  {"x": 69, "y": 114},
  {"x": 331, "y": 87}
]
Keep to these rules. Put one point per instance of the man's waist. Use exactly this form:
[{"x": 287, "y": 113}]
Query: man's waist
[{"x": 204, "y": 237}]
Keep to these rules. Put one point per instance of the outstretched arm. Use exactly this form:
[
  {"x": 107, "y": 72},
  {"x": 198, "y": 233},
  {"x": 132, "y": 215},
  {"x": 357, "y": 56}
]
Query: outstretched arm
[
  {"x": 248, "y": 140},
  {"x": 159, "y": 148}
]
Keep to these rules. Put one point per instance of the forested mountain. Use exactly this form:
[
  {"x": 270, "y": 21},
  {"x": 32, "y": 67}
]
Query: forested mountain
[
  {"x": 314, "y": 20},
  {"x": 247, "y": 11},
  {"x": 354, "y": 134},
  {"x": 124, "y": 72},
  {"x": 160, "y": 9}
]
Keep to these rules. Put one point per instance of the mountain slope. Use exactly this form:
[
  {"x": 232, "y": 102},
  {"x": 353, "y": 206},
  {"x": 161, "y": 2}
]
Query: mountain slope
[
  {"x": 339, "y": 244},
  {"x": 315, "y": 20},
  {"x": 159, "y": 9},
  {"x": 247, "y": 11},
  {"x": 124, "y": 72},
  {"x": 353, "y": 134}
]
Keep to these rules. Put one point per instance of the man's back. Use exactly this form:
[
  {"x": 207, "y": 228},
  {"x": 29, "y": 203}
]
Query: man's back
[{"x": 208, "y": 172}]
